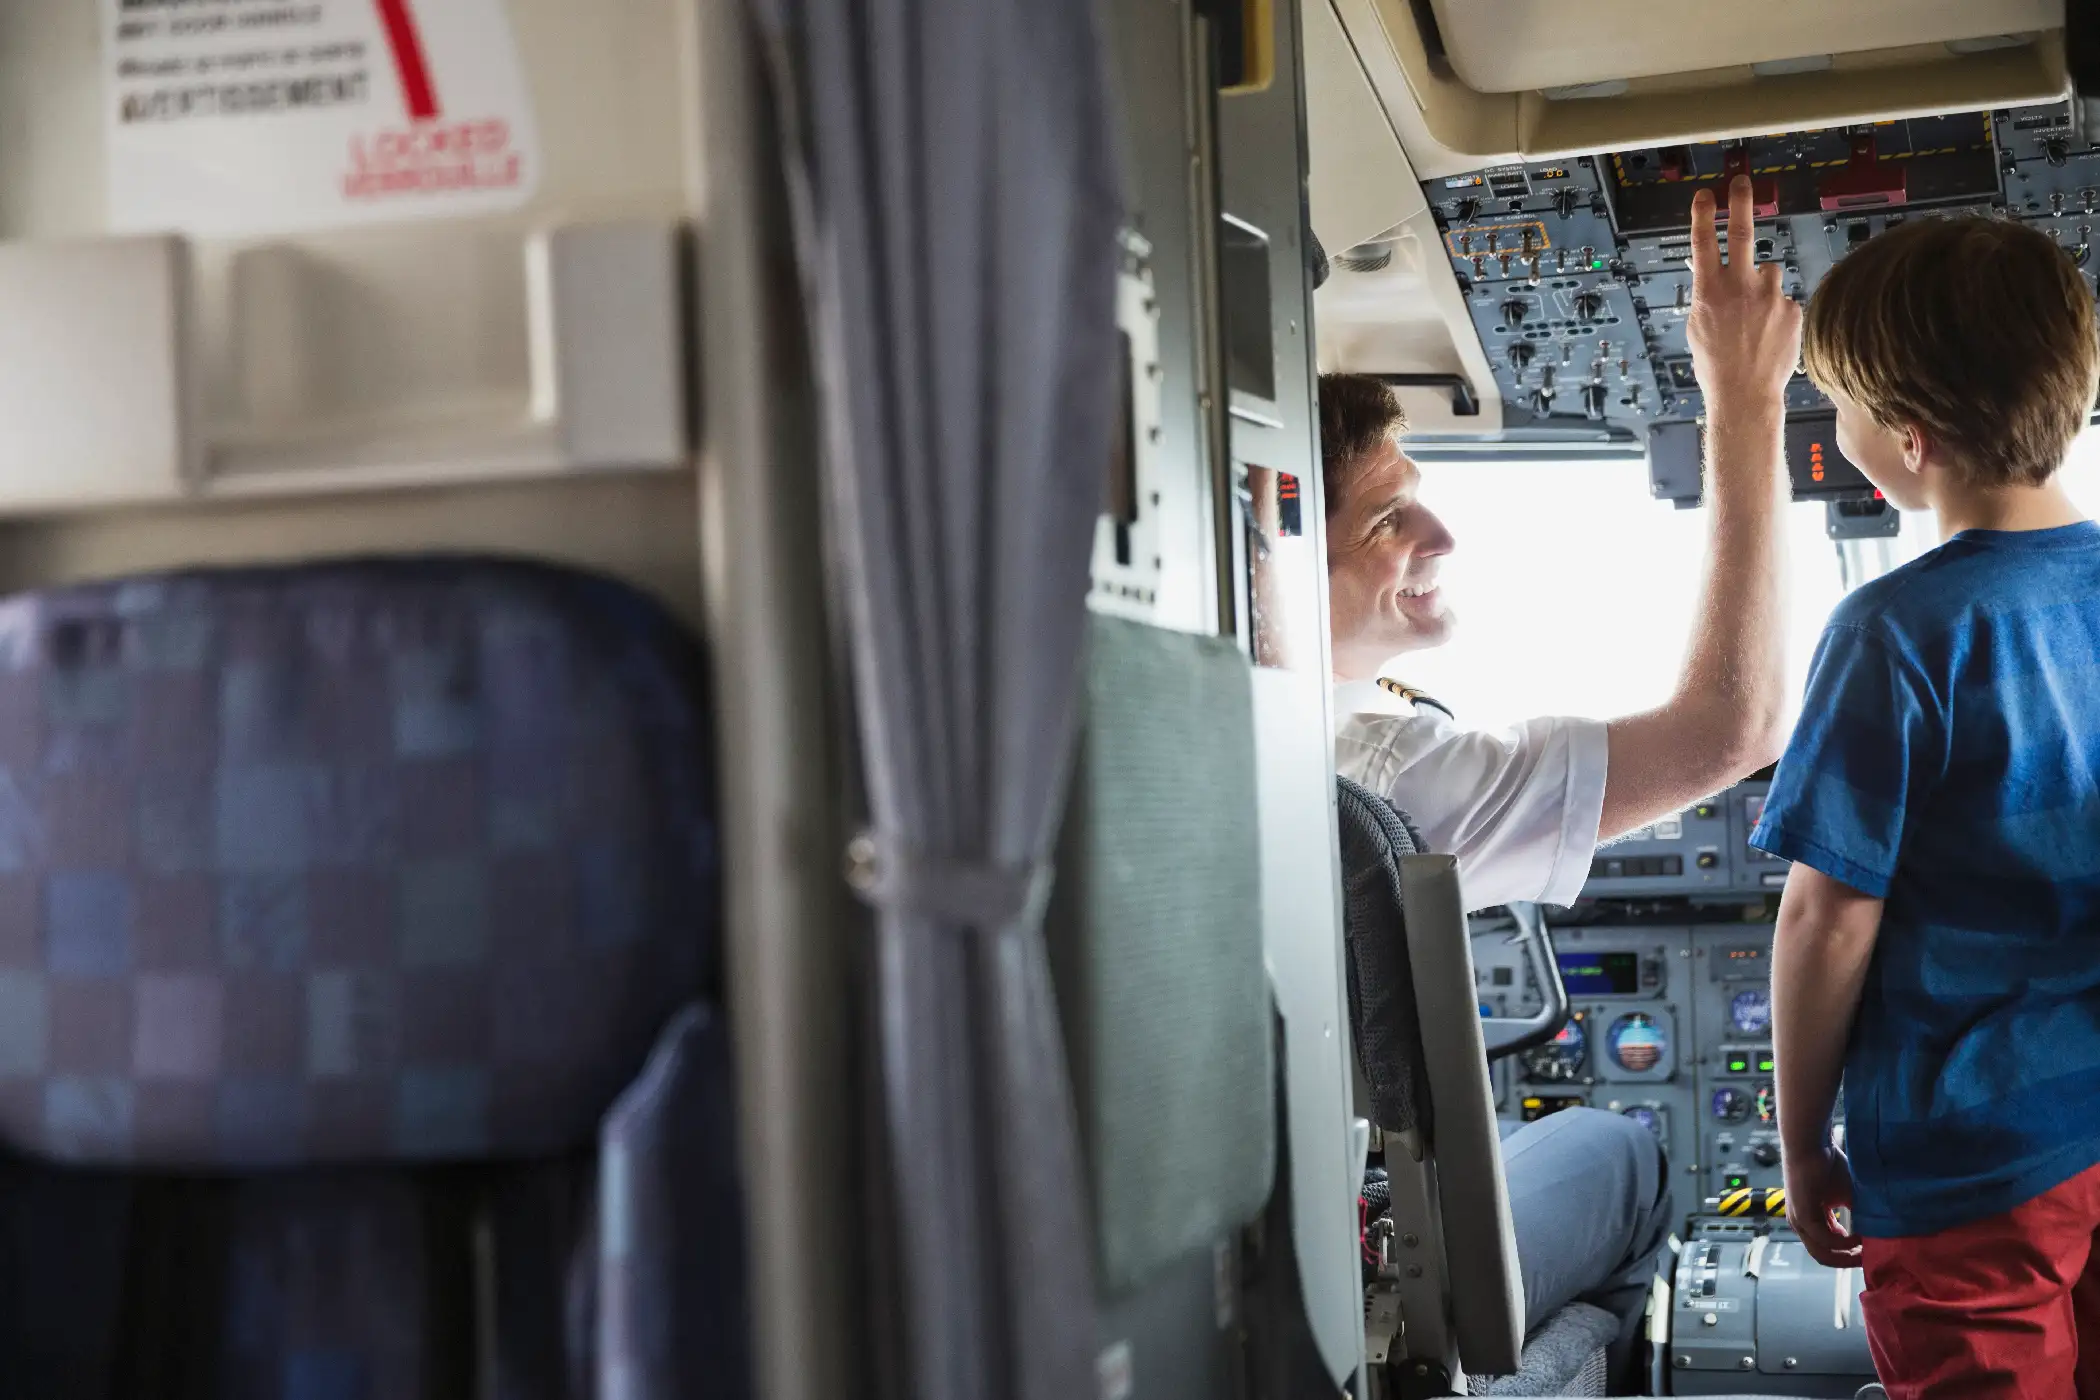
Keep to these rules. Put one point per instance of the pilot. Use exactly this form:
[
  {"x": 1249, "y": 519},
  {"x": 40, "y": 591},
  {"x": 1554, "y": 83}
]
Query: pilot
[{"x": 1523, "y": 809}]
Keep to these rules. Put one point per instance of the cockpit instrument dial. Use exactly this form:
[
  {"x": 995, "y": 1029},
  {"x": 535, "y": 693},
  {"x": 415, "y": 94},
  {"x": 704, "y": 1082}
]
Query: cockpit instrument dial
[
  {"x": 1563, "y": 1057},
  {"x": 1731, "y": 1105},
  {"x": 1637, "y": 1043},
  {"x": 1751, "y": 1012}
]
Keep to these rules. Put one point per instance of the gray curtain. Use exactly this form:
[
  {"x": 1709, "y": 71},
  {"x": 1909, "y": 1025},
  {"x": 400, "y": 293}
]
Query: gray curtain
[{"x": 955, "y": 191}]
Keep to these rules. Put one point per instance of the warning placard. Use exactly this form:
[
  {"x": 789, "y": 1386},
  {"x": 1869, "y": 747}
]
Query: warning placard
[{"x": 237, "y": 118}]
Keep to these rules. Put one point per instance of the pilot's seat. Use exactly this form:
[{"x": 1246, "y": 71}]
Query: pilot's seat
[
  {"x": 358, "y": 1021},
  {"x": 1422, "y": 1062}
]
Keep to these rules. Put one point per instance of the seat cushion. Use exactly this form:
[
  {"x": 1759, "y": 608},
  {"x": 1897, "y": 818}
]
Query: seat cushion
[
  {"x": 392, "y": 860},
  {"x": 1565, "y": 1356}
]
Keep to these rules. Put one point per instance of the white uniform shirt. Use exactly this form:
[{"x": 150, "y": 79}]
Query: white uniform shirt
[{"x": 1519, "y": 809}]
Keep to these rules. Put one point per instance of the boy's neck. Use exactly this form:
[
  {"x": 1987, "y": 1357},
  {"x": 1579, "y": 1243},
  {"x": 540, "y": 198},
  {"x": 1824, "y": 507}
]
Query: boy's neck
[{"x": 2043, "y": 507}]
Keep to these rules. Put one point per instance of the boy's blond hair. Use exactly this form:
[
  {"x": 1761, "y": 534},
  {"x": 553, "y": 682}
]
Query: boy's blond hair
[{"x": 1979, "y": 332}]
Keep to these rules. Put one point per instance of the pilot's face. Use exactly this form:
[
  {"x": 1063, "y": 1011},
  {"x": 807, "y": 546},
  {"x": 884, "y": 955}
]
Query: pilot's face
[
  {"x": 1384, "y": 548},
  {"x": 1883, "y": 455}
]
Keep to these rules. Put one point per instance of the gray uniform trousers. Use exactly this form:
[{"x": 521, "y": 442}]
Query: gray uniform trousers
[{"x": 1589, "y": 1198}]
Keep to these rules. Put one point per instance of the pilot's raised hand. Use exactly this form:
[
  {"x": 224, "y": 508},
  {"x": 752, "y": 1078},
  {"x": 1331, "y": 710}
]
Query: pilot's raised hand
[
  {"x": 1744, "y": 330},
  {"x": 1818, "y": 1182}
]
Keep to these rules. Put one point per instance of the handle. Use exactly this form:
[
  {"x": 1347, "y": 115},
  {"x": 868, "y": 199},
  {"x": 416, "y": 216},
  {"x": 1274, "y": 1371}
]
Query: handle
[
  {"x": 1464, "y": 402},
  {"x": 1508, "y": 1035}
]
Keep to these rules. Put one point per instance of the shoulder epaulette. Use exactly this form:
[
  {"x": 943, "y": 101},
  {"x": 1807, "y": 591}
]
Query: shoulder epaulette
[{"x": 1413, "y": 696}]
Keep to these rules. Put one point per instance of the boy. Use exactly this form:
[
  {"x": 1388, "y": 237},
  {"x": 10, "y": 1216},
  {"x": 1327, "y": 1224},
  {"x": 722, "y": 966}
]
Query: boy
[{"x": 1939, "y": 941}]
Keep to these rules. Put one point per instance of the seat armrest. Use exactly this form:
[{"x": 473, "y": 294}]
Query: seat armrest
[{"x": 1480, "y": 1247}]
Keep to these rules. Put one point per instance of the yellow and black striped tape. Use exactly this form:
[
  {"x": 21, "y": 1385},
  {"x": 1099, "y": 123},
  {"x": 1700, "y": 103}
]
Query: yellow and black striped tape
[{"x": 1751, "y": 1200}]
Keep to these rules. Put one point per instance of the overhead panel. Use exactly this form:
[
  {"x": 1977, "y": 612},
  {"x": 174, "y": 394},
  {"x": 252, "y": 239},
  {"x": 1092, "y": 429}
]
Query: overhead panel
[{"x": 1576, "y": 277}]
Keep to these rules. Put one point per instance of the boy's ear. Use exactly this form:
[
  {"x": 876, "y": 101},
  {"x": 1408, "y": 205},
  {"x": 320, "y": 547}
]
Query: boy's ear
[{"x": 1919, "y": 451}]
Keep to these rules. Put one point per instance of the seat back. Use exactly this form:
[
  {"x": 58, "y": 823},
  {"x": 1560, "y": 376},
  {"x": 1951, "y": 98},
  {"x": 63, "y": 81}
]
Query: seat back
[
  {"x": 357, "y": 930},
  {"x": 1415, "y": 1022}
]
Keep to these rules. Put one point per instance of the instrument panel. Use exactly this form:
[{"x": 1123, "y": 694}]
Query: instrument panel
[
  {"x": 1671, "y": 1020},
  {"x": 1702, "y": 853},
  {"x": 1690, "y": 1057},
  {"x": 1576, "y": 271}
]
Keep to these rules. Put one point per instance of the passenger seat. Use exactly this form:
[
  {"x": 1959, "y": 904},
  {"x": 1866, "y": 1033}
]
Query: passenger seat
[{"x": 359, "y": 1023}]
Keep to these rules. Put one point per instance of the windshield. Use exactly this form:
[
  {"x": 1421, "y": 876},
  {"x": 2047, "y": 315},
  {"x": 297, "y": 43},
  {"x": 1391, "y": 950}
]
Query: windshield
[{"x": 1574, "y": 588}]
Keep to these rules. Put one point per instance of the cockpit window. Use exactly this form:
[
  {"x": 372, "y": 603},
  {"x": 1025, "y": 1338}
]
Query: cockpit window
[{"x": 1574, "y": 588}]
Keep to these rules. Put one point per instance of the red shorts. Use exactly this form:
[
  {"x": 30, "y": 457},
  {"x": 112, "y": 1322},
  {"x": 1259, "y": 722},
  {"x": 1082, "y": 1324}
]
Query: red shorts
[{"x": 2000, "y": 1308}]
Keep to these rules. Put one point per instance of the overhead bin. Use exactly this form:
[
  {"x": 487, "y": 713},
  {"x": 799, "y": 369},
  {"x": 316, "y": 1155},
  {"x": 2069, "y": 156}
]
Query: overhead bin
[
  {"x": 267, "y": 249},
  {"x": 1557, "y": 48}
]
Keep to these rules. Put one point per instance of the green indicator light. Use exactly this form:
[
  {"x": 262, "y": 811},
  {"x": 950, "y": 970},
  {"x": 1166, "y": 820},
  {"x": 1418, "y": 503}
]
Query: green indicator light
[
  {"x": 1764, "y": 1064},
  {"x": 1597, "y": 266},
  {"x": 1737, "y": 1182},
  {"x": 1737, "y": 1064}
]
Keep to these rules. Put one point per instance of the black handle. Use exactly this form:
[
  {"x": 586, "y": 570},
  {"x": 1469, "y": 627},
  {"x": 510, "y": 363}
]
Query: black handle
[
  {"x": 1509, "y": 1035},
  {"x": 1464, "y": 403}
]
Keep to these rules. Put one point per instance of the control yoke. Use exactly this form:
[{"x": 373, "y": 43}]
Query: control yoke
[{"x": 1508, "y": 1035}]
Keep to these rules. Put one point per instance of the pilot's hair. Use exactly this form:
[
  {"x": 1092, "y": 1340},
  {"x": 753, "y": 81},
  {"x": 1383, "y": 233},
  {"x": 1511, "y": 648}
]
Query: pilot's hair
[
  {"x": 1979, "y": 332},
  {"x": 1358, "y": 413}
]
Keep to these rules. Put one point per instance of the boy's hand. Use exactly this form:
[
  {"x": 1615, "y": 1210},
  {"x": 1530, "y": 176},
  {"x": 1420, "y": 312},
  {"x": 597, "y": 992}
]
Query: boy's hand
[
  {"x": 1744, "y": 330},
  {"x": 1817, "y": 1183}
]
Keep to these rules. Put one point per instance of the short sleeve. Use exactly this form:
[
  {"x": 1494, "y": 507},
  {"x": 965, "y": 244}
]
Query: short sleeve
[
  {"x": 1518, "y": 807},
  {"x": 1853, "y": 767}
]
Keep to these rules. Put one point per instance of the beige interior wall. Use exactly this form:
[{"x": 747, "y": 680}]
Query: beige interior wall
[{"x": 642, "y": 528}]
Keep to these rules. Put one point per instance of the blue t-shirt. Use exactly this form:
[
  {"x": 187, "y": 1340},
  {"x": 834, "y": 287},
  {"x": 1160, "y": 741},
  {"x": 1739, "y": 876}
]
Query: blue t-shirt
[{"x": 1947, "y": 760}]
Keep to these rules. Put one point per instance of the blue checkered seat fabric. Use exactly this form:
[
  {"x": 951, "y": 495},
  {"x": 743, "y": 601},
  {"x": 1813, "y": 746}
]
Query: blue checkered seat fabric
[{"x": 359, "y": 1019}]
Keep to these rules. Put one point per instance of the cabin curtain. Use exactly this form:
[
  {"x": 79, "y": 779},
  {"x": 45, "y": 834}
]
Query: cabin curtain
[{"x": 955, "y": 195}]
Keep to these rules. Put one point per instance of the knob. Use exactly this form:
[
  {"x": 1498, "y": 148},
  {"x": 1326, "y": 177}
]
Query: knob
[
  {"x": 1765, "y": 1154},
  {"x": 1514, "y": 311},
  {"x": 1520, "y": 355},
  {"x": 1542, "y": 402},
  {"x": 1593, "y": 397},
  {"x": 2057, "y": 150},
  {"x": 1587, "y": 306},
  {"x": 1564, "y": 203},
  {"x": 1465, "y": 242},
  {"x": 1707, "y": 860},
  {"x": 1560, "y": 260},
  {"x": 1494, "y": 240}
]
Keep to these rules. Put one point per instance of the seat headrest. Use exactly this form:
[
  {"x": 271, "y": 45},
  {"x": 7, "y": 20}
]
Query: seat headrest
[
  {"x": 367, "y": 861},
  {"x": 1384, "y": 1023}
]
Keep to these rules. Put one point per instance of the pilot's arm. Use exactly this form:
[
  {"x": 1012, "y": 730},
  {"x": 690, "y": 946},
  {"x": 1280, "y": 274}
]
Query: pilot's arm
[
  {"x": 1519, "y": 807},
  {"x": 1723, "y": 722}
]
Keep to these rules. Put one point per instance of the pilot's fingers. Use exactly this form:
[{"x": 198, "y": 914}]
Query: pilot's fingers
[
  {"x": 1706, "y": 244},
  {"x": 1742, "y": 223}
]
